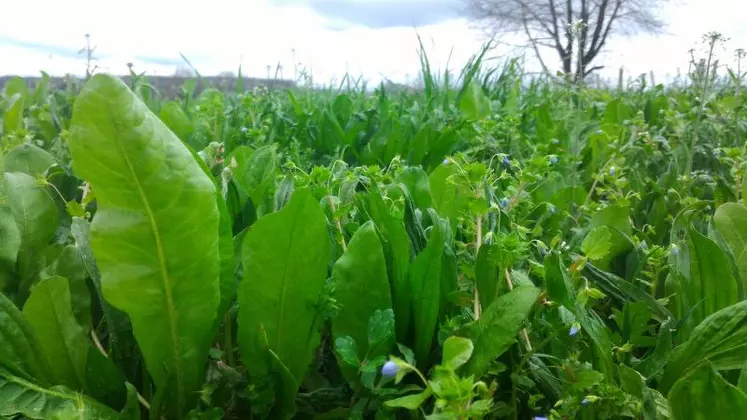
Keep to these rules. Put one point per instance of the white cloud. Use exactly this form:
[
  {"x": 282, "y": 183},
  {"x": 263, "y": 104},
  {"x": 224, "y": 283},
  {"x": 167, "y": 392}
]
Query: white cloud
[{"x": 221, "y": 34}]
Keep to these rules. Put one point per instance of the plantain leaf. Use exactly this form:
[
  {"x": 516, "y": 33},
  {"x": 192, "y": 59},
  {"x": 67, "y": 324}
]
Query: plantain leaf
[
  {"x": 69, "y": 265},
  {"x": 13, "y": 115},
  {"x": 11, "y": 242},
  {"x": 20, "y": 352},
  {"x": 122, "y": 344},
  {"x": 704, "y": 394},
  {"x": 425, "y": 275},
  {"x": 711, "y": 285},
  {"x": 396, "y": 247},
  {"x": 20, "y": 397},
  {"x": 35, "y": 214},
  {"x": 730, "y": 220},
  {"x": 498, "y": 327},
  {"x": 720, "y": 338},
  {"x": 361, "y": 288},
  {"x": 285, "y": 257},
  {"x": 256, "y": 174},
  {"x": 75, "y": 363},
  {"x": 176, "y": 120},
  {"x": 28, "y": 159},
  {"x": 227, "y": 262},
  {"x": 154, "y": 234}
]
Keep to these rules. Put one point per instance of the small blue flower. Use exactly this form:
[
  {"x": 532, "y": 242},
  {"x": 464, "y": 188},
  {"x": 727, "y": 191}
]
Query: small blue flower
[
  {"x": 540, "y": 418},
  {"x": 708, "y": 178},
  {"x": 553, "y": 160},
  {"x": 244, "y": 129},
  {"x": 585, "y": 401},
  {"x": 612, "y": 171},
  {"x": 389, "y": 369},
  {"x": 503, "y": 202},
  {"x": 555, "y": 141},
  {"x": 543, "y": 251},
  {"x": 675, "y": 250},
  {"x": 644, "y": 246},
  {"x": 446, "y": 161},
  {"x": 506, "y": 160},
  {"x": 551, "y": 209},
  {"x": 575, "y": 328}
]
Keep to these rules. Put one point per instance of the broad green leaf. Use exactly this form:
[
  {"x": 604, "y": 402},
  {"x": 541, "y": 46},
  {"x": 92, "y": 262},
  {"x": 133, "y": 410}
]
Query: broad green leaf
[
  {"x": 285, "y": 257},
  {"x": 711, "y": 285},
  {"x": 361, "y": 289},
  {"x": 634, "y": 384},
  {"x": 410, "y": 402},
  {"x": 176, "y": 120},
  {"x": 488, "y": 274},
  {"x": 456, "y": 352},
  {"x": 36, "y": 216},
  {"x": 16, "y": 85},
  {"x": 20, "y": 397},
  {"x": 425, "y": 274},
  {"x": 10, "y": 244},
  {"x": 473, "y": 103},
  {"x": 396, "y": 246},
  {"x": 721, "y": 338},
  {"x": 449, "y": 190},
  {"x": 69, "y": 265},
  {"x": 75, "y": 363},
  {"x": 257, "y": 176},
  {"x": 418, "y": 184},
  {"x": 154, "y": 234},
  {"x": 13, "y": 115},
  {"x": 705, "y": 395},
  {"x": 122, "y": 344},
  {"x": 730, "y": 220},
  {"x": 28, "y": 159},
  {"x": 497, "y": 328},
  {"x": 20, "y": 352}
]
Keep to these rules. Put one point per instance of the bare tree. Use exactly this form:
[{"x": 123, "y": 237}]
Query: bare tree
[{"x": 577, "y": 30}]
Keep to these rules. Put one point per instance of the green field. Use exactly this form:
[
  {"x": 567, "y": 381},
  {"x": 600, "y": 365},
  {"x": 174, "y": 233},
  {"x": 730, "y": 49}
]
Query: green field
[{"x": 485, "y": 246}]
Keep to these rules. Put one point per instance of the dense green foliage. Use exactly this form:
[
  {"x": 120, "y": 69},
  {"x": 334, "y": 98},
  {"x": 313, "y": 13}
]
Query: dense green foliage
[{"x": 498, "y": 249}]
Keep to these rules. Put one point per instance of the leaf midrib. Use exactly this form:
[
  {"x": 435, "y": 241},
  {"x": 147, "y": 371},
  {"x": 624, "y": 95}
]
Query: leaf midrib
[{"x": 170, "y": 310}]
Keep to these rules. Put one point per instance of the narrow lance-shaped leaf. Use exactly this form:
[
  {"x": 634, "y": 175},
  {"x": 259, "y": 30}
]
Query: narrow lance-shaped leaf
[
  {"x": 361, "y": 287},
  {"x": 711, "y": 285},
  {"x": 75, "y": 363},
  {"x": 154, "y": 235},
  {"x": 396, "y": 247},
  {"x": 285, "y": 257},
  {"x": 20, "y": 352},
  {"x": 497, "y": 328},
  {"x": 425, "y": 280}
]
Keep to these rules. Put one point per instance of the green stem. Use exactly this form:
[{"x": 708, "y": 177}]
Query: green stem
[{"x": 228, "y": 340}]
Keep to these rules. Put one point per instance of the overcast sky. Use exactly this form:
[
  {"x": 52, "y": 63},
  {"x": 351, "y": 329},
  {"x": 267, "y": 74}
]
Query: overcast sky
[{"x": 372, "y": 38}]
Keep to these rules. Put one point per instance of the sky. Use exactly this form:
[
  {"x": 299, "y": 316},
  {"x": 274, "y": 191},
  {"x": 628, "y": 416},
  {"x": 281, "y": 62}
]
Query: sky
[{"x": 374, "y": 39}]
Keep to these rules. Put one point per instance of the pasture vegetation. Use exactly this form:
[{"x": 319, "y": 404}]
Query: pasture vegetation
[{"x": 498, "y": 249}]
